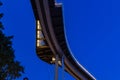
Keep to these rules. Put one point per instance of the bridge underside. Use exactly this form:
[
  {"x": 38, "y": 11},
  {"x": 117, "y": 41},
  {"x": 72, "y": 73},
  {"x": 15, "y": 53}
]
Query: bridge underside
[{"x": 50, "y": 38}]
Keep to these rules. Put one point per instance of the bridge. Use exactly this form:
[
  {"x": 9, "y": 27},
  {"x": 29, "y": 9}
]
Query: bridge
[{"x": 51, "y": 45}]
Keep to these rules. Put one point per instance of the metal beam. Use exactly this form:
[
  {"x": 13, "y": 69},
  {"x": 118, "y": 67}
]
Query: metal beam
[{"x": 56, "y": 67}]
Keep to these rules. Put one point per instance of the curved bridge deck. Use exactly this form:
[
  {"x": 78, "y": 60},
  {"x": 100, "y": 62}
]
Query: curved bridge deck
[{"x": 50, "y": 38}]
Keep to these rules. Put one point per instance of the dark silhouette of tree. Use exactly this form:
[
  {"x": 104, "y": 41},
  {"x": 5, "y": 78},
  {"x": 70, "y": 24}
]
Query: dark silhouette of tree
[
  {"x": 25, "y": 78},
  {"x": 10, "y": 69}
]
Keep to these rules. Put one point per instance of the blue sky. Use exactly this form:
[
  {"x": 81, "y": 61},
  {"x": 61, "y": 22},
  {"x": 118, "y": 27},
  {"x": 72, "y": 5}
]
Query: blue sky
[{"x": 93, "y": 34}]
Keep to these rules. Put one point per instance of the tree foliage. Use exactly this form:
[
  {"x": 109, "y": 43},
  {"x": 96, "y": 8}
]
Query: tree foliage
[{"x": 9, "y": 68}]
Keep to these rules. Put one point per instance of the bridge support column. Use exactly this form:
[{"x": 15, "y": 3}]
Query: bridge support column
[
  {"x": 63, "y": 67},
  {"x": 56, "y": 67}
]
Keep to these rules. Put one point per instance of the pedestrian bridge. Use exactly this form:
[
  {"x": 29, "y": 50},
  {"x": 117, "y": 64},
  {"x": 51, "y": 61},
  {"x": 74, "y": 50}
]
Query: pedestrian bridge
[{"x": 51, "y": 45}]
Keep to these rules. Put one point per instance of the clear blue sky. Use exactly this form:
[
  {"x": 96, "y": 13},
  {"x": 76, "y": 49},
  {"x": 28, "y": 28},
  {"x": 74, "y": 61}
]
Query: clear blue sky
[{"x": 92, "y": 29}]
